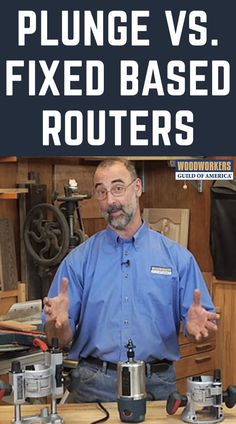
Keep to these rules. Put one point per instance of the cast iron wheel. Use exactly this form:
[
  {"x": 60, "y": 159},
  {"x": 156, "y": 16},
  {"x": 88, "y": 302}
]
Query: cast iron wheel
[
  {"x": 80, "y": 236},
  {"x": 46, "y": 234}
]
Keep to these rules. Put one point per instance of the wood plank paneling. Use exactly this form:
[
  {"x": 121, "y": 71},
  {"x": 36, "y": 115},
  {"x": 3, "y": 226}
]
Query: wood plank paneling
[
  {"x": 224, "y": 294},
  {"x": 9, "y": 208},
  {"x": 162, "y": 191},
  {"x": 8, "y": 266}
]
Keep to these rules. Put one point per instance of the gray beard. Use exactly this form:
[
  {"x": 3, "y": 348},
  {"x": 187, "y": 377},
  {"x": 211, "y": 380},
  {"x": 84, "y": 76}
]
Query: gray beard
[{"x": 120, "y": 222}]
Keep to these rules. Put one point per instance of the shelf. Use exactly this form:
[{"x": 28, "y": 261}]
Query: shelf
[
  {"x": 12, "y": 193},
  {"x": 7, "y": 159}
]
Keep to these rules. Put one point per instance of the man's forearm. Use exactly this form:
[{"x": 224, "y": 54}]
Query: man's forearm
[{"x": 64, "y": 333}]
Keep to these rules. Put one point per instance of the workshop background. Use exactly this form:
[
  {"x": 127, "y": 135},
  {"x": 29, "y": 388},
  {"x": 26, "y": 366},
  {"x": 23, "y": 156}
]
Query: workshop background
[{"x": 25, "y": 182}]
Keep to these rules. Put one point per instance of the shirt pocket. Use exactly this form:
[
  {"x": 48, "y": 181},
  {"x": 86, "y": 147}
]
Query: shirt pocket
[{"x": 158, "y": 293}]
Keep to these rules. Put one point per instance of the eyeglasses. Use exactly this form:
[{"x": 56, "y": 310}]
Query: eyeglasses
[{"x": 118, "y": 189}]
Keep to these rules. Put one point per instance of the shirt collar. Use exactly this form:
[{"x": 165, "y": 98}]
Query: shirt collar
[{"x": 137, "y": 238}]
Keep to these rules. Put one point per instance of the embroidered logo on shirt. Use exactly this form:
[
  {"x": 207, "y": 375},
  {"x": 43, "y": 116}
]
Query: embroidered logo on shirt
[{"x": 161, "y": 270}]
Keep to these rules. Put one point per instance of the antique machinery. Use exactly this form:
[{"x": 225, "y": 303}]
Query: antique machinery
[
  {"x": 35, "y": 382},
  {"x": 203, "y": 401},
  {"x": 50, "y": 232},
  {"x": 70, "y": 206},
  {"x": 131, "y": 388}
]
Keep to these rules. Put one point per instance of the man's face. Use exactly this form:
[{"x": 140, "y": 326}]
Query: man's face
[{"x": 117, "y": 210}]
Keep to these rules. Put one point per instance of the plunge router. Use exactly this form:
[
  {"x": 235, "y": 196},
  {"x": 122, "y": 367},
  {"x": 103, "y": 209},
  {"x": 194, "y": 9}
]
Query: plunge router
[
  {"x": 204, "y": 399},
  {"x": 131, "y": 388},
  {"x": 36, "y": 381}
]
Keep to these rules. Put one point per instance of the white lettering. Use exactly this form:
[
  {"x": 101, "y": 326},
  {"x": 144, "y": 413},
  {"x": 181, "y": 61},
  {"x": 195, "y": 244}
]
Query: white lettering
[
  {"x": 25, "y": 16},
  {"x": 51, "y": 132}
]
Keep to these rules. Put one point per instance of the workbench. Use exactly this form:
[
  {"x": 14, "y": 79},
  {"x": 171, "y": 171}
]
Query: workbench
[{"x": 86, "y": 413}]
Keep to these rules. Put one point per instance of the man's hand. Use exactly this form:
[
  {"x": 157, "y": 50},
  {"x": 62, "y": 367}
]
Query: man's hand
[
  {"x": 200, "y": 322},
  {"x": 57, "y": 307}
]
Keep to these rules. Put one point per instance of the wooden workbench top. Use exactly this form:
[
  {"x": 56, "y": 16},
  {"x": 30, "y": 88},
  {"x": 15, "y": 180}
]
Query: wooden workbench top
[{"x": 86, "y": 413}]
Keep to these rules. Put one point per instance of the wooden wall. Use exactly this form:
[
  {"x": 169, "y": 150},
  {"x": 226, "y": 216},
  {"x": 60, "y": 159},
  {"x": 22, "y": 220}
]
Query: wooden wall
[
  {"x": 8, "y": 176},
  {"x": 9, "y": 208},
  {"x": 225, "y": 299},
  {"x": 161, "y": 190}
]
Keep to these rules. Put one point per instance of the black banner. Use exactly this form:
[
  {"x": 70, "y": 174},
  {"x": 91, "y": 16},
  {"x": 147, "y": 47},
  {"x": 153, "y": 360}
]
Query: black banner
[{"x": 95, "y": 78}]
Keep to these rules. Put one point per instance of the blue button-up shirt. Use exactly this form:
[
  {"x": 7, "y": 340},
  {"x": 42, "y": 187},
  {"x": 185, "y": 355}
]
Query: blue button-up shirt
[{"x": 120, "y": 289}]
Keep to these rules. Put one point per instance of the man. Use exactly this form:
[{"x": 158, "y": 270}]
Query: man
[{"x": 126, "y": 282}]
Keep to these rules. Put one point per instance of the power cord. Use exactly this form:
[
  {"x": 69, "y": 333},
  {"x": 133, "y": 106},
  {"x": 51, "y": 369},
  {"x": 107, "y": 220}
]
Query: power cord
[
  {"x": 150, "y": 396},
  {"x": 107, "y": 415}
]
